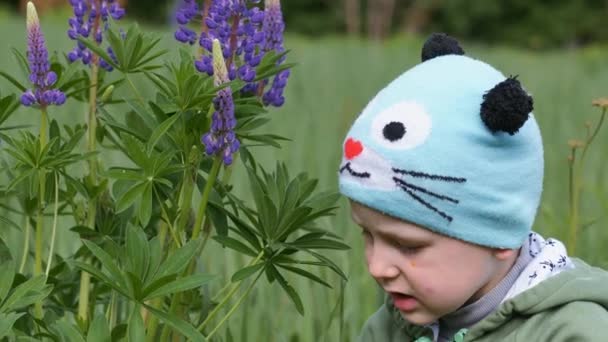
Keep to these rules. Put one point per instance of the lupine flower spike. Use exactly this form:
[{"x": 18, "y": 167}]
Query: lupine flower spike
[
  {"x": 99, "y": 12},
  {"x": 238, "y": 29},
  {"x": 41, "y": 75},
  {"x": 273, "y": 29},
  {"x": 221, "y": 140},
  {"x": 183, "y": 16}
]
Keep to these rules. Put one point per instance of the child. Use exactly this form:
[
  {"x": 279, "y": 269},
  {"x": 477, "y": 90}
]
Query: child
[{"x": 444, "y": 171}]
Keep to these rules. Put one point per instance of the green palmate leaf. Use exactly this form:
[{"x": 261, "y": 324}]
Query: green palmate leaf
[
  {"x": 66, "y": 332},
  {"x": 161, "y": 130},
  {"x": 266, "y": 74},
  {"x": 135, "y": 285},
  {"x": 145, "y": 205},
  {"x": 265, "y": 139},
  {"x": 126, "y": 174},
  {"x": 119, "y": 333},
  {"x": 119, "y": 287},
  {"x": 155, "y": 284},
  {"x": 26, "y": 293},
  {"x": 106, "y": 261},
  {"x": 323, "y": 260},
  {"x": 319, "y": 244},
  {"x": 235, "y": 244},
  {"x": 99, "y": 331},
  {"x": 107, "y": 119},
  {"x": 243, "y": 229},
  {"x": 93, "y": 46},
  {"x": 11, "y": 79},
  {"x": 135, "y": 52},
  {"x": 219, "y": 220},
  {"x": 138, "y": 252},
  {"x": 22, "y": 62},
  {"x": 177, "y": 261},
  {"x": 136, "y": 331},
  {"x": 176, "y": 323},
  {"x": 130, "y": 196},
  {"x": 247, "y": 272},
  {"x": 5, "y": 253},
  {"x": 7, "y": 270},
  {"x": 181, "y": 284},
  {"x": 156, "y": 254},
  {"x": 8, "y": 105},
  {"x": 141, "y": 118},
  {"x": 293, "y": 295},
  {"x": 252, "y": 124},
  {"x": 7, "y": 321},
  {"x": 305, "y": 274}
]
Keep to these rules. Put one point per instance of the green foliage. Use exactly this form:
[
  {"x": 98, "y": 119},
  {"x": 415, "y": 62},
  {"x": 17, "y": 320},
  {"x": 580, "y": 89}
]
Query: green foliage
[
  {"x": 537, "y": 24},
  {"x": 139, "y": 257}
]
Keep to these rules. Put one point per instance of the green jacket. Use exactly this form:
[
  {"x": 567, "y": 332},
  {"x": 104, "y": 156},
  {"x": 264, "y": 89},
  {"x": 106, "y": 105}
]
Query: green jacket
[{"x": 570, "y": 306}]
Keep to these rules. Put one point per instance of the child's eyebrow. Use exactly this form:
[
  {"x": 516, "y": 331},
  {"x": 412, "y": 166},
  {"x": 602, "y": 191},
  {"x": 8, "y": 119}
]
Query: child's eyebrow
[{"x": 396, "y": 236}]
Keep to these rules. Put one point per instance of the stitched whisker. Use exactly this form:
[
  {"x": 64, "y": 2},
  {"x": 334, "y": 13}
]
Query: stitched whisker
[
  {"x": 403, "y": 183},
  {"x": 417, "y": 174},
  {"x": 426, "y": 204}
]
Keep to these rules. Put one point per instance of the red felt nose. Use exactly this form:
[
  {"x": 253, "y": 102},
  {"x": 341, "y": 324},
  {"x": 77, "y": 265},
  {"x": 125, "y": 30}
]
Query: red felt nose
[{"x": 352, "y": 148}]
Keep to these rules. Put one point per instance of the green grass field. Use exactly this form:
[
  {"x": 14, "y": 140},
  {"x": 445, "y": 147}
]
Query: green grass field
[{"x": 334, "y": 79}]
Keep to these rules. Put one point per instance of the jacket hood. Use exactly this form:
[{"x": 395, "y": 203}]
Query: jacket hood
[{"x": 581, "y": 283}]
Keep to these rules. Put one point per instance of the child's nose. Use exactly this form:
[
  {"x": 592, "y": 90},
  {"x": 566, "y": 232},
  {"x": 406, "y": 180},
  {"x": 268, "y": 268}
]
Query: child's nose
[
  {"x": 379, "y": 265},
  {"x": 352, "y": 148}
]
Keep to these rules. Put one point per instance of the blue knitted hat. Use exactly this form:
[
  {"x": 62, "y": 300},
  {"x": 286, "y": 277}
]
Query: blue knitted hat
[{"x": 450, "y": 145}]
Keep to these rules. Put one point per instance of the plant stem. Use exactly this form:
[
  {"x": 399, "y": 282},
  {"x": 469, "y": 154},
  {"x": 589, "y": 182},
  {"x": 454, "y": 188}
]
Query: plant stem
[
  {"x": 576, "y": 189},
  {"x": 26, "y": 244},
  {"x": 236, "y": 305},
  {"x": 38, "y": 313},
  {"x": 228, "y": 296},
  {"x": 157, "y": 303},
  {"x": 54, "y": 230},
  {"x": 85, "y": 278},
  {"x": 217, "y": 162}
]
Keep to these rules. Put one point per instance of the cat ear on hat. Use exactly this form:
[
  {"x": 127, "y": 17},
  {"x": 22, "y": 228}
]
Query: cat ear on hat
[
  {"x": 506, "y": 107},
  {"x": 440, "y": 44}
]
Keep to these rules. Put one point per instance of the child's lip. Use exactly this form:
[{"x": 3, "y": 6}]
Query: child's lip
[{"x": 404, "y": 302}]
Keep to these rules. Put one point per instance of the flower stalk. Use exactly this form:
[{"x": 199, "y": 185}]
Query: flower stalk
[{"x": 576, "y": 167}]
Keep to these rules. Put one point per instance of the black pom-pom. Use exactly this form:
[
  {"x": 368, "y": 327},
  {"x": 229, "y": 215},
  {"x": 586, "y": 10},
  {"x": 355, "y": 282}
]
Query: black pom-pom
[
  {"x": 440, "y": 44},
  {"x": 506, "y": 107}
]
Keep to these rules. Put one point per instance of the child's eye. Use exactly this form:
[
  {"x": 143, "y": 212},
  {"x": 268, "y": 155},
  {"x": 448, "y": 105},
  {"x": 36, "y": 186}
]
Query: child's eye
[
  {"x": 367, "y": 236},
  {"x": 409, "y": 248}
]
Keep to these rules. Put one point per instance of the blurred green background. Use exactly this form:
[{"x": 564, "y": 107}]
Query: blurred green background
[{"x": 558, "y": 49}]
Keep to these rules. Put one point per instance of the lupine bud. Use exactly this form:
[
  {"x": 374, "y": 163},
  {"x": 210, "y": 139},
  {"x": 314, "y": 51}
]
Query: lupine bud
[
  {"x": 41, "y": 75},
  {"x": 221, "y": 140},
  {"x": 107, "y": 94}
]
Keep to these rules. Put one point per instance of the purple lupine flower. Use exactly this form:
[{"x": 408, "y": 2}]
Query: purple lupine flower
[
  {"x": 221, "y": 139},
  {"x": 239, "y": 31},
  {"x": 81, "y": 25},
  {"x": 273, "y": 28},
  {"x": 183, "y": 16},
  {"x": 41, "y": 75}
]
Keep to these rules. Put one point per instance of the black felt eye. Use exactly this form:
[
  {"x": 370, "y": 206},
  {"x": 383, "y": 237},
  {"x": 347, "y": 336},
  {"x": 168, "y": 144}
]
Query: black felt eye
[{"x": 394, "y": 131}]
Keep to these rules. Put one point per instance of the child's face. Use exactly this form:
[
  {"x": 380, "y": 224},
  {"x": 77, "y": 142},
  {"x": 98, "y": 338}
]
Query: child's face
[{"x": 428, "y": 275}]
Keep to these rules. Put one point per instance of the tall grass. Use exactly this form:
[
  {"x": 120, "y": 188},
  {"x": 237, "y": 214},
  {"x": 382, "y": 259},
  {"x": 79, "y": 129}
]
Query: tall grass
[{"x": 334, "y": 79}]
